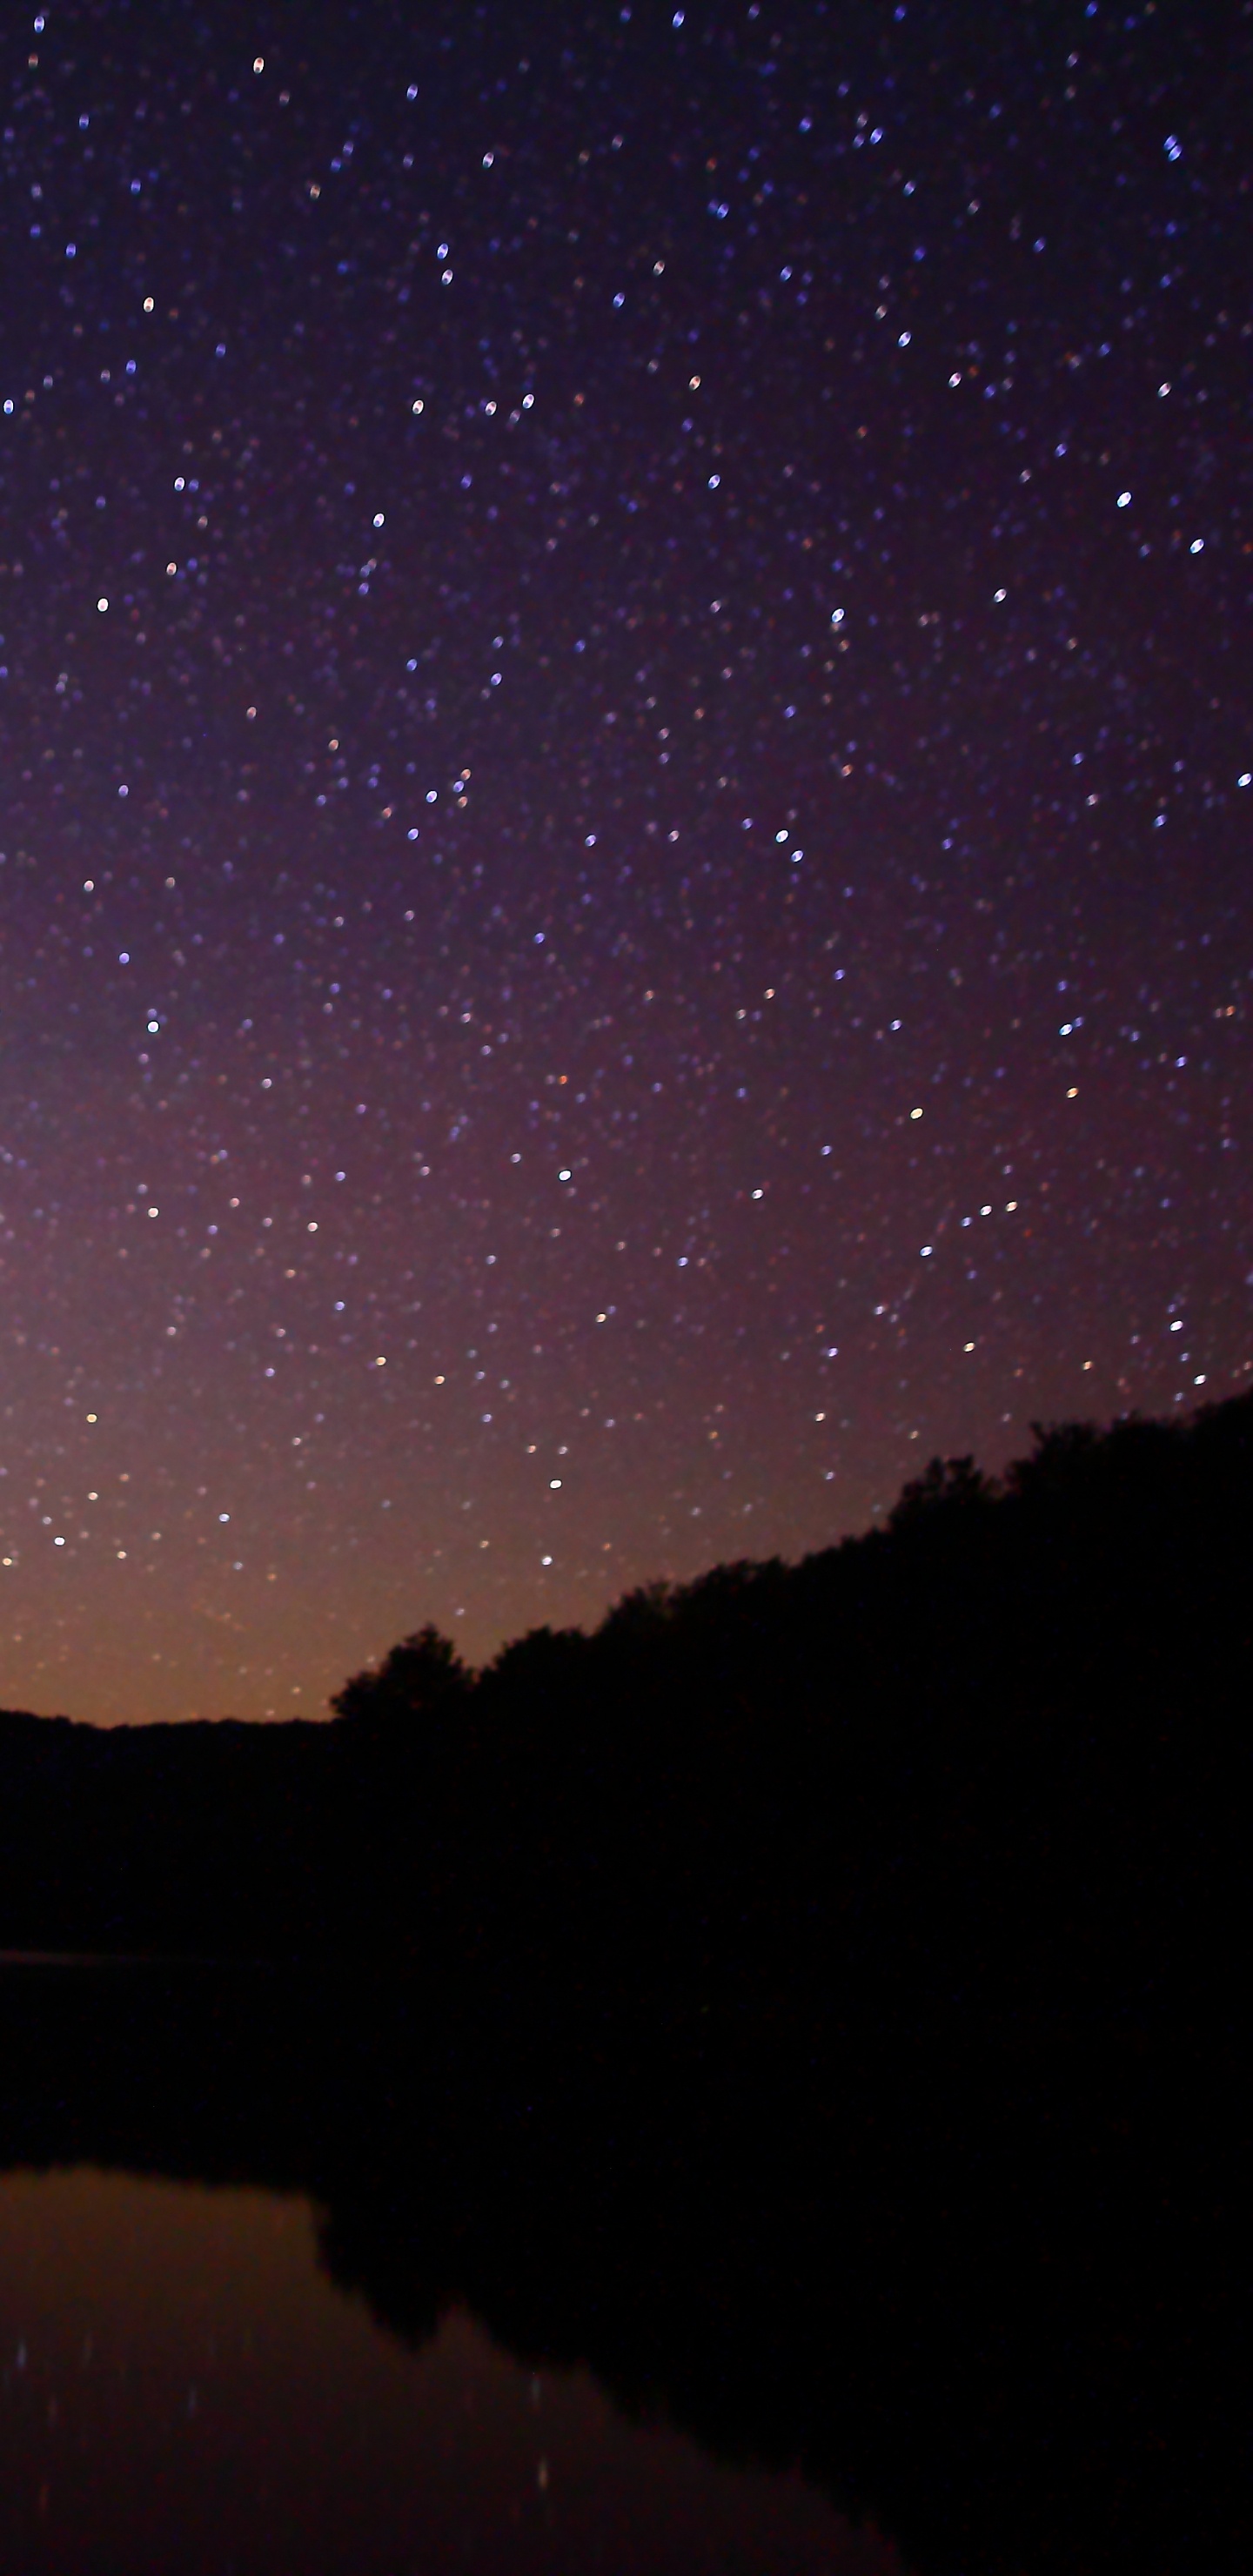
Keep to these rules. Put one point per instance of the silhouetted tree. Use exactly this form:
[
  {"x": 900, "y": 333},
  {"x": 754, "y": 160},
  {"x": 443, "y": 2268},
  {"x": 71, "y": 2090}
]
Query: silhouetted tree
[
  {"x": 948, "y": 1483},
  {"x": 545, "y": 1659},
  {"x": 641, "y": 1615},
  {"x": 423, "y": 1679}
]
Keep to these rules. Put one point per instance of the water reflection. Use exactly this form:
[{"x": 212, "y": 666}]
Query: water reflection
[
  {"x": 941, "y": 2284},
  {"x": 182, "y": 2386}
]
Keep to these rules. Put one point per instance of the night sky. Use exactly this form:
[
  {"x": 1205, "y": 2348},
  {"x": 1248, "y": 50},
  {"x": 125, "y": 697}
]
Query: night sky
[{"x": 625, "y": 894}]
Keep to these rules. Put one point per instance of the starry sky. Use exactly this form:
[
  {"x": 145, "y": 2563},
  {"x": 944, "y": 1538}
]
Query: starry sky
[{"x": 625, "y": 889}]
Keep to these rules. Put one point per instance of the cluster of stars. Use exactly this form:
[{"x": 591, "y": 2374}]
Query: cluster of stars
[{"x": 623, "y": 875}]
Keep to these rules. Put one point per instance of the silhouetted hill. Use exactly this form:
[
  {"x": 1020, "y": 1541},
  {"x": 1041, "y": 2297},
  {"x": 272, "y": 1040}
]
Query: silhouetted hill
[{"x": 993, "y": 1748}]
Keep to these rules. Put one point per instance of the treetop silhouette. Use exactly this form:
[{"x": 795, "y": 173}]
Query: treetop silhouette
[{"x": 421, "y": 1680}]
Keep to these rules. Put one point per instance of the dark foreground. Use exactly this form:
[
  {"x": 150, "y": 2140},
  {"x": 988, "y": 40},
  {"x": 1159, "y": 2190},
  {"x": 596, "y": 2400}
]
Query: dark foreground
[
  {"x": 985, "y": 2297},
  {"x": 814, "y": 2000}
]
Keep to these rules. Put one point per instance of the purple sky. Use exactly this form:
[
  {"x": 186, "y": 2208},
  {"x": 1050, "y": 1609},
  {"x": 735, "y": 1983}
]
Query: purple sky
[{"x": 626, "y": 897}]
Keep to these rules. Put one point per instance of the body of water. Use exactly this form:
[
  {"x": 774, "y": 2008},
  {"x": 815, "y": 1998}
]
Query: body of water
[{"x": 182, "y": 2387}]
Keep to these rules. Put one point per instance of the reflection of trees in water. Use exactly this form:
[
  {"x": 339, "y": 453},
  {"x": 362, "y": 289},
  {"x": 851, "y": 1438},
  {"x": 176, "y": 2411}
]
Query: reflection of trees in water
[
  {"x": 368, "y": 2253},
  {"x": 948, "y": 2287},
  {"x": 957, "y": 2302}
]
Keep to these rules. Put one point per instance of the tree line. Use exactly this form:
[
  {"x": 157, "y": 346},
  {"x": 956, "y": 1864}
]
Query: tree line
[{"x": 999, "y": 1737}]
